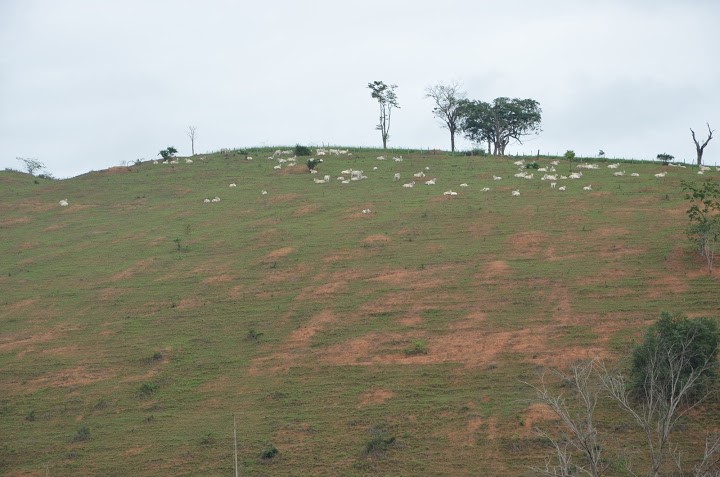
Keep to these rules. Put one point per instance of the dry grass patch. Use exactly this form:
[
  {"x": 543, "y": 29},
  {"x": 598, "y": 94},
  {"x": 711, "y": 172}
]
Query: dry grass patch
[{"x": 375, "y": 396}]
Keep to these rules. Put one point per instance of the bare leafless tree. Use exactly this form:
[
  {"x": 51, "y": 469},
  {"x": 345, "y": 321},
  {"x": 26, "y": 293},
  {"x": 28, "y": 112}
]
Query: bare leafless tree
[
  {"x": 666, "y": 395},
  {"x": 700, "y": 148},
  {"x": 579, "y": 421},
  {"x": 669, "y": 392},
  {"x": 191, "y": 134},
  {"x": 448, "y": 99}
]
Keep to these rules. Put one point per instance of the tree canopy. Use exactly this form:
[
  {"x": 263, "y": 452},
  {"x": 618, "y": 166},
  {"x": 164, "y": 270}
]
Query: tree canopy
[
  {"x": 499, "y": 122},
  {"x": 448, "y": 100},
  {"x": 387, "y": 100}
]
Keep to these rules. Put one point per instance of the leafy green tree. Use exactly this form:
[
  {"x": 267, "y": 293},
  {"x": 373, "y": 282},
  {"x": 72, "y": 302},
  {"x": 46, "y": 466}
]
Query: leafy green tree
[
  {"x": 704, "y": 215},
  {"x": 168, "y": 154},
  {"x": 448, "y": 100},
  {"x": 676, "y": 352},
  {"x": 569, "y": 155},
  {"x": 665, "y": 158},
  {"x": 387, "y": 100},
  {"x": 499, "y": 122}
]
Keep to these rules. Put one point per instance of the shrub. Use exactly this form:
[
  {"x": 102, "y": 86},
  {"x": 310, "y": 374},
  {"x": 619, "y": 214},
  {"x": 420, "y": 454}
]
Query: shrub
[
  {"x": 254, "y": 335},
  {"x": 675, "y": 342},
  {"x": 665, "y": 158},
  {"x": 569, "y": 155},
  {"x": 477, "y": 151},
  {"x": 312, "y": 163},
  {"x": 302, "y": 150},
  {"x": 148, "y": 389},
  {"x": 532, "y": 165},
  {"x": 208, "y": 439},
  {"x": 418, "y": 347},
  {"x": 380, "y": 442},
  {"x": 82, "y": 434},
  {"x": 269, "y": 452}
]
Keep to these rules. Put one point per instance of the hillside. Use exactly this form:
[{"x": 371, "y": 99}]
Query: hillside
[{"x": 136, "y": 321}]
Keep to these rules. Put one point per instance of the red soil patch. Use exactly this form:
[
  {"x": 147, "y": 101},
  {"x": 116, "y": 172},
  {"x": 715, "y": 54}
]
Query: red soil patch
[
  {"x": 606, "y": 232},
  {"x": 107, "y": 294},
  {"x": 218, "y": 279},
  {"x": 26, "y": 246},
  {"x": 188, "y": 303},
  {"x": 324, "y": 290},
  {"x": 667, "y": 284},
  {"x": 279, "y": 253},
  {"x": 15, "y": 342},
  {"x": 376, "y": 396},
  {"x": 378, "y": 239},
  {"x": 468, "y": 435},
  {"x": 340, "y": 256},
  {"x": 306, "y": 210},
  {"x": 76, "y": 376},
  {"x": 115, "y": 170},
  {"x": 498, "y": 268},
  {"x": 14, "y": 221},
  {"x": 429, "y": 277},
  {"x": 139, "y": 266},
  {"x": 299, "y": 169},
  {"x": 277, "y": 199},
  {"x": 54, "y": 227},
  {"x": 537, "y": 413},
  {"x": 136, "y": 450},
  {"x": 527, "y": 243},
  {"x": 301, "y": 337}
]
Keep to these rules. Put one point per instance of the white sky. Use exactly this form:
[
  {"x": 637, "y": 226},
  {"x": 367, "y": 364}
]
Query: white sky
[{"x": 88, "y": 84}]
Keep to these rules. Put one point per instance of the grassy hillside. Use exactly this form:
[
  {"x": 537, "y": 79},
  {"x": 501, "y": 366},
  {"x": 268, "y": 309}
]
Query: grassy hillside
[{"x": 137, "y": 321}]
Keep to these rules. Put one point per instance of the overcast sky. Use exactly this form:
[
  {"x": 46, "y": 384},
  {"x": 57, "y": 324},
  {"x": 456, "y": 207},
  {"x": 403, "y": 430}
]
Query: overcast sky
[{"x": 89, "y": 84}]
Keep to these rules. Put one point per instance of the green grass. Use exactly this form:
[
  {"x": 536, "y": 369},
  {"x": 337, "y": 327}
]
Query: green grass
[{"x": 147, "y": 318}]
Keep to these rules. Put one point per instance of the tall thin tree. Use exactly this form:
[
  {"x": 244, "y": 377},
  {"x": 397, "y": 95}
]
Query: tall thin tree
[
  {"x": 387, "y": 100},
  {"x": 191, "y": 132},
  {"x": 700, "y": 148},
  {"x": 448, "y": 100}
]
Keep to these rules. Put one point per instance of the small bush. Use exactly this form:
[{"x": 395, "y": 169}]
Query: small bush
[
  {"x": 82, "y": 434},
  {"x": 380, "y": 442},
  {"x": 532, "y": 165},
  {"x": 208, "y": 439},
  {"x": 302, "y": 150},
  {"x": 312, "y": 163},
  {"x": 254, "y": 335},
  {"x": 676, "y": 340},
  {"x": 569, "y": 155},
  {"x": 665, "y": 158},
  {"x": 269, "y": 452},
  {"x": 30, "y": 416},
  {"x": 148, "y": 389},
  {"x": 477, "y": 151},
  {"x": 418, "y": 347}
]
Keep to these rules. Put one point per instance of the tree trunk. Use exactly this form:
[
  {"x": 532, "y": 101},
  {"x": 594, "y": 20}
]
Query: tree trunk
[
  {"x": 699, "y": 156},
  {"x": 192, "y": 145},
  {"x": 452, "y": 140}
]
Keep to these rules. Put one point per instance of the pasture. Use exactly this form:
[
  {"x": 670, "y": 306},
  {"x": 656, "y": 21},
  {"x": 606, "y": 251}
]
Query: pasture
[{"x": 360, "y": 329}]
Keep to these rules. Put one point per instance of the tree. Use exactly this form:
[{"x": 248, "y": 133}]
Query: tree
[
  {"x": 505, "y": 120},
  {"x": 191, "y": 134},
  {"x": 31, "y": 165},
  {"x": 387, "y": 100},
  {"x": 701, "y": 148},
  {"x": 704, "y": 215},
  {"x": 168, "y": 154},
  {"x": 448, "y": 101},
  {"x": 665, "y": 158},
  {"x": 668, "y": 378}
]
